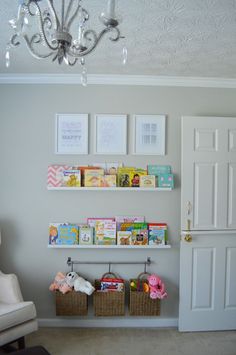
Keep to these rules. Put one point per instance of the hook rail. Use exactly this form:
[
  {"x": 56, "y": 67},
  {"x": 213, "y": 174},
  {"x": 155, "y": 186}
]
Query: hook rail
[{"x": 146, "y": 263}]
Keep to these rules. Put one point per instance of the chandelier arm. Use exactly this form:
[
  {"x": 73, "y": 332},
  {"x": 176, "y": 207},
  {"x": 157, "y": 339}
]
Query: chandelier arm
[
  {"x": 73, "y": 16},
  {"x": 54, "y": 14},
  {"x": 41, "y": 27},
  {"x": 96, "y": 39},
  {"x": 43, "y": 34},
  {"x": 68, "y": 11},
  {"x": 13, "y": 42},
  {"x": 117, "y": 34},
  {"x": 32, "y": 50},
  {"x": 71, "y": 64}
]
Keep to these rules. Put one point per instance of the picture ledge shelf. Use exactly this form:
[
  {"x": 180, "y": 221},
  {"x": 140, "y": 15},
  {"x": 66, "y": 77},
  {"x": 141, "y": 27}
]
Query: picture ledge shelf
[
  {"x": 168, "y": 246},
  {"x": 110, "y": 188}
]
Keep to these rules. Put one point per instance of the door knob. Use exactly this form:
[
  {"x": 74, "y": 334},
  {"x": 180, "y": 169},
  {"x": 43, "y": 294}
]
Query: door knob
[{"x": 188, "y": 238}]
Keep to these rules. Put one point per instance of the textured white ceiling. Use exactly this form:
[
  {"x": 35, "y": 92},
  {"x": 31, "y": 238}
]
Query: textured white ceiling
[{"x": 164, "y": 37}]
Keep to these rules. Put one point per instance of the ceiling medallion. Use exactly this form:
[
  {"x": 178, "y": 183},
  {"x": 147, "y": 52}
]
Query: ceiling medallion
[{"x": 61, "y": 33}]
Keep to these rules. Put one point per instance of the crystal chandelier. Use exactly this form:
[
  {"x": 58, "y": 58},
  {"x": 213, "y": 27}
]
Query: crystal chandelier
[{"x": 62, "y": 33}]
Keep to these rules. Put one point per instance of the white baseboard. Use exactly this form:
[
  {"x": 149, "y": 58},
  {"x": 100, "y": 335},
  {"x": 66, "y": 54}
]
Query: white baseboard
[{"x": 136, "y": 322}]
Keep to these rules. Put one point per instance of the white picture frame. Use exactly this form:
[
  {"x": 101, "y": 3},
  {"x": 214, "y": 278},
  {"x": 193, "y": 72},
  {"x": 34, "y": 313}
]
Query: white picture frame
[
  {"x": 71, "y": 133},
  {"x": 110, "y": 134},
  {"x": 149, "y": 134}
]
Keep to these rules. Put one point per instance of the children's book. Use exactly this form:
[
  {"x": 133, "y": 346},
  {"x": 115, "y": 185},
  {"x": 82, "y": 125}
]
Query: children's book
[
  {"x": 158, "y": 169},
  {"x": 91, "y": 222},
  {"x": 55, "y": 175},
  {"x": 71, "y": 178},
  {"x": 139, "y": 237},
  {"x": 108, "y": 181},
  {"x": 63, "y": 234},
  {"x": 86, "y": 235},
  {"x": 129, "y": 219},
  {"x": 105, "y": 233},
  {"x": 124, "y": 176},
  {"x": 148, "y": 181},
  {"x": 109, "y": 168},
  {"x": 93, "y": 178},
  {"x": 53, "y": 233},
  {"x": 157, "y": 233},
  {"x": 166, "y": 180},
  {"x": 124, "y": 237},
  {"x": 125, "y": 226},
  {"x": 130, "y": 176},
  {"x": 132, "y": 226},
  {"x": 135, "y": 176},
  {"x": 86, "y": 168},
  {"x": 124, "y": 179}
]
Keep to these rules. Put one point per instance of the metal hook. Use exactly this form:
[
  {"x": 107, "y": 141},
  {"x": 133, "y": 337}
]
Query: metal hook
[
  {"x": 109, "y": 267},
  {"x": 145, "y": 267},
  {"x": 147, "y": 263},
  {"x": 70, "y": 263}
]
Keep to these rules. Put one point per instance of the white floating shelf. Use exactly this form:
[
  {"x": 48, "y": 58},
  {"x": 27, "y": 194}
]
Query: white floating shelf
[
  {"x": 109, "y": 246},
  {"x": 110, "y": 188}
]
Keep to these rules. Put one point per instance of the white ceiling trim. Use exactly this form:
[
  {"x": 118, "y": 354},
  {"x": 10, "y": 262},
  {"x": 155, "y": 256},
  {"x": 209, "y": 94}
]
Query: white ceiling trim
[{"x": 98, "y": 79}]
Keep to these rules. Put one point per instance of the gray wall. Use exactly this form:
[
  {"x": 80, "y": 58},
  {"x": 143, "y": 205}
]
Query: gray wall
[{"x": 27, "y": 126}]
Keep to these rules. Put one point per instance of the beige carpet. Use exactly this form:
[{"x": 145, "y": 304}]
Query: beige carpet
[{"x": 75, "y": 341}]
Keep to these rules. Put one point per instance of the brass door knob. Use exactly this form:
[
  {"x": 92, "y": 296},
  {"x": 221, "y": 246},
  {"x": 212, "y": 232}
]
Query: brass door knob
[{"x": 188, "y": 238}]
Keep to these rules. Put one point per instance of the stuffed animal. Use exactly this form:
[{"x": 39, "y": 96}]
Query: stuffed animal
[
  {"x": 60, "y": 283},
  {"x": 79, "y": 283},
  {"x": 157, "y": 287},
  {"x": 71, "y": 277}
]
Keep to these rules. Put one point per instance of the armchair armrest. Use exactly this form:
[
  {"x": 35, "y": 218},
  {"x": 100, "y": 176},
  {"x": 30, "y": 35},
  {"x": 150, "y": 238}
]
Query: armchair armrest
[{"x": 9, "y": 289}]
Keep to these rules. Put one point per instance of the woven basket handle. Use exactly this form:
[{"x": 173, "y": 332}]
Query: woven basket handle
[
  {"x": 142, "y": 274},
  {"x": 110, "y": 274}
]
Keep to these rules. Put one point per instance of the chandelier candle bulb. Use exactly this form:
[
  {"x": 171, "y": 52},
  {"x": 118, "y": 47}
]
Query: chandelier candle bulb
[{"x": 111, "y": 8}]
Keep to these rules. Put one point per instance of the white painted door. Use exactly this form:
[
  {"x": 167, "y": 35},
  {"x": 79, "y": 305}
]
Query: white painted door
[{"x": 208, "y": 209}]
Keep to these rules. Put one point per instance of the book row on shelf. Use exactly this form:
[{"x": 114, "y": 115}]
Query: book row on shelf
[
  {"x": 110, "y": 175},
  {"x": 120, "y": 230}
]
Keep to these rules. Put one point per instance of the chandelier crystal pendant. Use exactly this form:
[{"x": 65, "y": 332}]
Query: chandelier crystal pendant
[{"x": 61, "y": 31}]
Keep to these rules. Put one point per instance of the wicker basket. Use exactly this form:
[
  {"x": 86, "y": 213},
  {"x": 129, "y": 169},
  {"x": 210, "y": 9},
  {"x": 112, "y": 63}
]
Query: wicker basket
[
  {"x": 71, "y": 304},
  {"x": 140, "y": 302},
  {"x": 108, "y": 304}
]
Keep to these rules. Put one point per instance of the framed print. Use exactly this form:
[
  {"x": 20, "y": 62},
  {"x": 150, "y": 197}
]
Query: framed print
[
  {"x": 111, "y": 134},
  {"x": 149, "y": 134},
  {"x": 71, "y": 134}
]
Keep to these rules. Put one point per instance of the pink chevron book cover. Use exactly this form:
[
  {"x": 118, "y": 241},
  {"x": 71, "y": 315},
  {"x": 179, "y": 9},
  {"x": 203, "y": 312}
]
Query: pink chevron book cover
[{"x": 55, "y": 175}]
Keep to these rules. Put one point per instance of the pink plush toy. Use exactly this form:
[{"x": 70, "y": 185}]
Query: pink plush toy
[
  {"x": 60, "y": 283},
  {"x": 157, "y": 287}
]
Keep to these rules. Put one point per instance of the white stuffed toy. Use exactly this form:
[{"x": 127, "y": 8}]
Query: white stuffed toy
[{"x": 79, "y": 283}]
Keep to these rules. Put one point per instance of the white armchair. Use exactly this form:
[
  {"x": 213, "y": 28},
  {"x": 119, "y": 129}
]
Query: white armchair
[{"x": 17, "y": 318}]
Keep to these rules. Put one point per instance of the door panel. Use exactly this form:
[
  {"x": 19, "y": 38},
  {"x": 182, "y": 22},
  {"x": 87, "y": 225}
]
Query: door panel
[
  {"x": 232, "y": 196},
  {"x": 232, "y": 140},
  {"x": 206, "y": 140},
  {"x": 230, "y": 289},
  {"x": 207, "y": 282},
  {"x": 205, "y": 186},
  {"x": 203, "y": 268}
]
